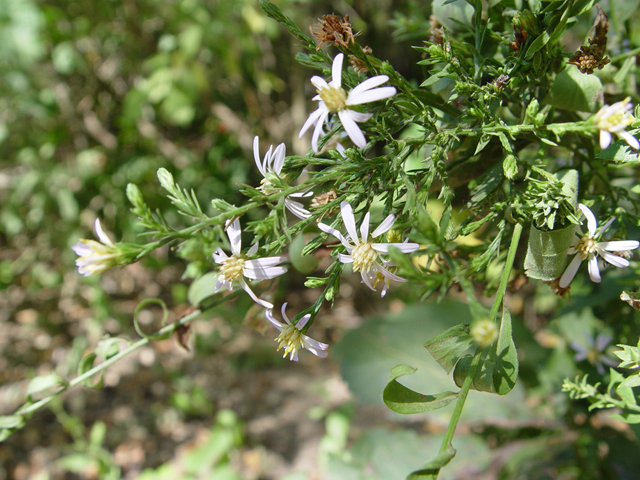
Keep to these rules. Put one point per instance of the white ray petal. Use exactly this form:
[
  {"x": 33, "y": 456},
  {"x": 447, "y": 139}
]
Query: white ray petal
[
  {"x": 319, "y": 82},
  {"x": 591, "y": 219},
  {"x": 313, "y": 117},
  {"x": 614, "y": 259},
  {"x": 332, "y": 231},
  {"x": 234, "y": 233},
  {"x": 256, "y": 155},
  {"x": 619, "y": 245},
  {"x": 324, "y": 113},
  {"x": 605, "y": 139},
  {"x": 364, "y": 227},
  {"x": 351, "y": 127},
  {"x": 336, "y": 71},
  {"x": 253, "y": 296},
  {"x": 101, "y": 235},
  {"x": 594, "y": 271},
  {"x": 570, "y": 272},
  {"x": 385, "y": 226},
  {"x": 369, "y": 84},
  {"x": 631, "y": 140},
  {"x": 349, "y": 220},
  {"x": 371, "y": 96}
]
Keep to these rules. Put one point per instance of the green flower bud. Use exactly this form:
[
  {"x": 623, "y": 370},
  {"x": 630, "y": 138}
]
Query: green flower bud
[
  {"x": 484, "y": 332},
  {"x": 528, "y": 20}
]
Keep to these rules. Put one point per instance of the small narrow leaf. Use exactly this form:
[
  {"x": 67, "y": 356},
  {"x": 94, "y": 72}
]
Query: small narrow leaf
[
  {"x": 403, "y": 400},
  {"x": 44, "y": 382},
  {"x": 430, "y": 470}
]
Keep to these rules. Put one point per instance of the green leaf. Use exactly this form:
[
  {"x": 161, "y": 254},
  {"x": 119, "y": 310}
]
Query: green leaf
[
  {"x": 303, "y": 263},
  {"x": 449, "y": 346},
  {"x": 619, "y": 152},
  {"x": 632, "y": 381},
  {"x": 572, "y": 90},
  {"x": 537, "y": 44},
  {"x": 506, "y": 371},
  {"x": 85, "y": 365},
  {"x": 430, "y": 470},
  {"x": 510, "y": 166},
  {"x": 202, "y": 288},
  {"x": 498, "y": 372},
  {"x": 547, "y": 252},
  {"x": 403, "y": 400},
  {"x": 44, "y": 382},
  {"x": 11, "y": 421}
]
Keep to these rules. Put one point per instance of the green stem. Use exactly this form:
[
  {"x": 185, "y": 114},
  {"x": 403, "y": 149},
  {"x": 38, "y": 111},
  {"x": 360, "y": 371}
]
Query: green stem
[
  {"x": 168, "y": 329},
  {"x": 466, "y": 386},
  {"x": 502, "y": 288}
]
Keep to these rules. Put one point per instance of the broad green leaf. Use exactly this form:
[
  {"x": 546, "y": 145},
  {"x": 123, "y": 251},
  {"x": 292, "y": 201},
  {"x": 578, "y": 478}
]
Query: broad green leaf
[
  {"x": 619, "y": 152},
  {"x": 575, "y": 91},
  {"x": 506, "y": 371},
  {"x": 498, "y": 372},
  {"x": 403, "y": 400},
  {"x": 632, "y": 381},
  {"x": 430, "y": 470},
  {"x": 547, "y": 252},
  {"x": 449, "y": 346},
  {"x": 202, "y": 288},
  {"x": 303, "y": 263}
]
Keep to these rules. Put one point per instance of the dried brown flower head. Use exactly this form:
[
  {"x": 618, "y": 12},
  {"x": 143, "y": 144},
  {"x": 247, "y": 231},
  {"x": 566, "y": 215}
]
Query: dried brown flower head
[
  {"x": 521, "y": 37},
  {"x": 592, "y": 56},
  {"x": 501, "y": 81},
  {"x": 357, "y": 64},
  {"x": 322, "y": 199},
  {"x": 436, "y": 32},
  {"x": 557, "y": 289},
  {"x": 335, "y": 30}
]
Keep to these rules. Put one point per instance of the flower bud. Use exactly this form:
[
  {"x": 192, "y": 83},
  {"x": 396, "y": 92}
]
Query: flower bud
[
  {"x": 527, "y": 19},
  {"x": 484, "y": 332}
]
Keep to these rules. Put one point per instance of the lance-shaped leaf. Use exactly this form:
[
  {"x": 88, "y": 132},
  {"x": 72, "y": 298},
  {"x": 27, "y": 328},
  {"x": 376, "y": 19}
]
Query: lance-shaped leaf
[
  {"x": 431, "y": 469},
  {"x": 498, "y": 372},
  {"x": 571, "y": 90},
  {"x": 448, "y": 347},
  {"x": 403, "y": 400}
]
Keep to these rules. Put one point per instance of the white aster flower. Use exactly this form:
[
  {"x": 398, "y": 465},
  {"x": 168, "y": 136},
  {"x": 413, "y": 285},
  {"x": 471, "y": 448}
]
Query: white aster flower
[
  {"x": 96, "y": 257},
  {"x": 333, "y": 99},
  {"x": 292, "y": 339},
  {"x": 272, "y": 164},
  {"x": 614, "y": 119},
  {"x": 364, "y": 254},
  {"x": 594, "y": 352},
  {"x": 587, "y": 247},
  {"x": 238, "y": 265}
]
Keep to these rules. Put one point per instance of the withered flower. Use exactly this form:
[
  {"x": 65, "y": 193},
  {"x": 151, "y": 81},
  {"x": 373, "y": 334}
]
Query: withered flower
[
  {"x": 521, "y": 37},
  {"x": 357, "y": 64},
  {"x": 334, "y": 29},
  {"x": 592, "y": 56},
  {"x": 436, "y": 32}
]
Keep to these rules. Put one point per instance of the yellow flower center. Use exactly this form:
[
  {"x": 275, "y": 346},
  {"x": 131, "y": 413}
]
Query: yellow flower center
[
  {"x": 617, "y": 119},
  {"x": 363, "y": 256},
  {"x": 231, "y": 269},
  {"x": 334, "y": 98},
  {"x": 593, "y": 355},
  {"x": 291, "y": 339},
  {"x": 586, "y": 246}
]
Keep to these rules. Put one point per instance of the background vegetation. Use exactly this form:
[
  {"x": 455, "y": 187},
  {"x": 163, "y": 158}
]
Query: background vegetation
[{"x": 98, "y": 94}]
